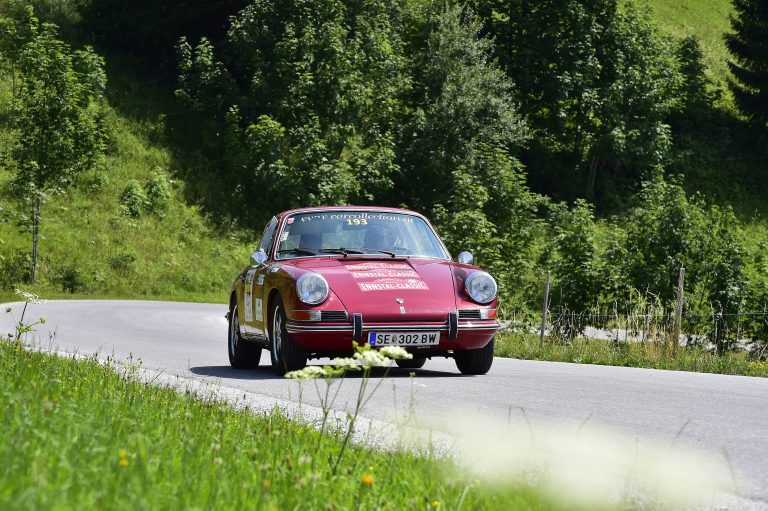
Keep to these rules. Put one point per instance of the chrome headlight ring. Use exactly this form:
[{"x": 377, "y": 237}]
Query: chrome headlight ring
[
  {"x": 312, "y": 288},
  {"x": 481, "y": 287}
]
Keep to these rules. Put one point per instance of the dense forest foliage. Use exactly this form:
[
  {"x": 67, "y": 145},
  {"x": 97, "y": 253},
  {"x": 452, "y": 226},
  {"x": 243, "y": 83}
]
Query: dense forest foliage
[{"x": 558, "y": 135}]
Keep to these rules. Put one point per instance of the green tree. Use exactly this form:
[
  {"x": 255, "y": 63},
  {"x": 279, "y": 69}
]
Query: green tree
[
  {"x": 596, "y": 81},
  {"x": 575, "y": 264},
  {"x": 55, "y": 115},
  {"x": 748, "y": 44},
  {"x": 667, "y": 230},
  {"x": 14, "y": 35},
  {"x": 148, "y": 30},
  {"x": 301, "y": 105},
  {"x": 457, "y": 149}
]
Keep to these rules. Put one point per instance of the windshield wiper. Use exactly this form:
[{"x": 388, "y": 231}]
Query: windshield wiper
[
  {"x": 296, "y": 251},
  {"x": 342, "y": 250},
  {"x": 380, "y": 251}
]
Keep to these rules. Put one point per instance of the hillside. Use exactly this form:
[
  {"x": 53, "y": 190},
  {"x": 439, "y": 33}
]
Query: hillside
[
  {"x": 707, "y": 20},
  {"x": 426, "y": 112},
  {"x": 91, "y": 246}
]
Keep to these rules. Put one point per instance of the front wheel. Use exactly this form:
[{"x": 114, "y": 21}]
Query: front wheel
[
  {"x": 286, "y": 356},
  {"x": 477, "y": 361},
  {"x": 242, "y": 355},
  {"x": 412, "y": 363}
]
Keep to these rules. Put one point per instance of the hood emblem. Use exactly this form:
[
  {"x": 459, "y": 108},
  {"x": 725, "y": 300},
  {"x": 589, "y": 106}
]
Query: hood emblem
[
  {"x": 399, "y": 300},
  {"x": 402, "y": 310}
]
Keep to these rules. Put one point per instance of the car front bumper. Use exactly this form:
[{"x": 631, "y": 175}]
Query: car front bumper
[{"x": 338, "y": 337}]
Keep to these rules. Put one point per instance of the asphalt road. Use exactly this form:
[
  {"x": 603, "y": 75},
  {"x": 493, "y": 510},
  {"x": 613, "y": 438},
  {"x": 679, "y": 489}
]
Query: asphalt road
[{"x": 726, "y": 416}]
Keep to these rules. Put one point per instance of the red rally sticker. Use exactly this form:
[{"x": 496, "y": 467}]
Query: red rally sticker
[{"x": 392, "y": 284}]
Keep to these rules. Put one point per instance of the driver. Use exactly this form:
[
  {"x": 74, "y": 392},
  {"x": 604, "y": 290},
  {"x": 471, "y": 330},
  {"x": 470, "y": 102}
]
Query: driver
[{"x": 379, "y": 237}]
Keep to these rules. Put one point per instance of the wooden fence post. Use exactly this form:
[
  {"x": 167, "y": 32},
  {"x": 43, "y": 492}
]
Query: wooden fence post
[
  {"x": 678, "y": 310},
  {"x": 545, "y": 308}
]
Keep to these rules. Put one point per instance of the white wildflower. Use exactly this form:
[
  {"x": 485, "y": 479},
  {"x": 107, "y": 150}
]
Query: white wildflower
[
  {"x": 395, "y": 353},
  {"x": 28, "y": 297},
  {"x": 308, "y": 373},
  {"x": 346, "y": 362},
  {"x": 371, "y": 358}
]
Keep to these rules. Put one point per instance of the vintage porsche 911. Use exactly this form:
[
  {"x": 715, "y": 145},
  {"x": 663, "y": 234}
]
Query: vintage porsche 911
[{"x": 325, "y": 278}]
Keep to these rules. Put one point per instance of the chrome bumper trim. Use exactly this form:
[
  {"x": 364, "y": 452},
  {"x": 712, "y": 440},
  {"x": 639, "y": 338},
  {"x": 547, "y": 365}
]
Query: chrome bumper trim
[
  {"x": 367, "y": 327},
  {"x": 293, "y": 327},
  {"x": 472, "y": 326}
]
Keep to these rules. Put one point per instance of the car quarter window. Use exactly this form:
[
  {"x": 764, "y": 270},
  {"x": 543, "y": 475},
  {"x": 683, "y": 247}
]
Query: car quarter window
[{"x": 268, "y": 236}]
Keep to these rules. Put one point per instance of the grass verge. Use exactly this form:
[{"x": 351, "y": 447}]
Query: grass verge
[
  {"x": 627, "y": 354},
  {"x": 77, "y": 435}
]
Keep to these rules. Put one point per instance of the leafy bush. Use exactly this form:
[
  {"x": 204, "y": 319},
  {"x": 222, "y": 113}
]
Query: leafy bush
[
  {"x": 123, "y": 261},
  {"x": 574, "y": 261},
  {"x": 16, "y": 269},
  {"x": 69, "y": 277},
  {"x": 158, "y": 193},
  {"x": 134, "y": 200}
]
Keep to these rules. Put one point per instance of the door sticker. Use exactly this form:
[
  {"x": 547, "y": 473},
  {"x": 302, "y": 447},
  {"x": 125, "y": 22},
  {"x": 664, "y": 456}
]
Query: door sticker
[{"x": 248, "y": 295}]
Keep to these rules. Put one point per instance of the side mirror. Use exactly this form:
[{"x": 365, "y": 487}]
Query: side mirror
[
  {"x": 258, "y": 258},
  {"x": 465, "y": 258}
]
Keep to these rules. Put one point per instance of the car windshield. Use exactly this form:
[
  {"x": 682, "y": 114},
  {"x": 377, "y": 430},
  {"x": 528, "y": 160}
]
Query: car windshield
[{"x": 357, "y": 232}]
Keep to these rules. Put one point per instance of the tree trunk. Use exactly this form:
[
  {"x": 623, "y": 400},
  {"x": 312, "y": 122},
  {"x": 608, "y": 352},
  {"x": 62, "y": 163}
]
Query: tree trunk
[{"x": 592, "y": 176}]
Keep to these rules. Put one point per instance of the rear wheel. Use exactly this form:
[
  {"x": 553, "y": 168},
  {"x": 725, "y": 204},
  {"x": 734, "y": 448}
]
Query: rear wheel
[
  {"x": 477, "y": 361},
  {"x": 286, "y": 356},
  {"x": 242, "y": 354},
  {"x": 414, "y": 363}
]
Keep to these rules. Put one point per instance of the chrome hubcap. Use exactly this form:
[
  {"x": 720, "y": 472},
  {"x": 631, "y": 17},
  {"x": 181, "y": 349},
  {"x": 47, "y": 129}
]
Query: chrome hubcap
[
  {"x": 277, "y": 332},
  {"x": 234, "y": 328}
]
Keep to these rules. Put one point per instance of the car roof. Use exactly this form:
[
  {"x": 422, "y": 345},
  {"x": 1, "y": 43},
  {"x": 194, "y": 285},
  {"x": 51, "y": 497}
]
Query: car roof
[{"x": 347, "y": 208}]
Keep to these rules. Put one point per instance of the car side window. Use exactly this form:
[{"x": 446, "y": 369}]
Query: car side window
[{"x": 269, "y": 234}]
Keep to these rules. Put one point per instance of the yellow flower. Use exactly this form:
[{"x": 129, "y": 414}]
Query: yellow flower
[
  {"x": 367, "y": 480},
  {"x": 435, "y": 504},
  {"x": 123, "y": 462},
  {"x": 266, "y": 484},
  {"x": 121, "y": 453}
]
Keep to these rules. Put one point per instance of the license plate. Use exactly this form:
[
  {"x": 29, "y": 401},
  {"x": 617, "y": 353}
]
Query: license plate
[{"x": 403, "y": 338}]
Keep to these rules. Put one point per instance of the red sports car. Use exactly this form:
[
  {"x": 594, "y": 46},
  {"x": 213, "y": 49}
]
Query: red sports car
[{"x": 325, "y": 278}]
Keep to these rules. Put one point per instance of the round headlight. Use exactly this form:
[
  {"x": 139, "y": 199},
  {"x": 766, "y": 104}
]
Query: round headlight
[
  {"x": 312, "y": 288},
  {"x": 481, "y": 287}
]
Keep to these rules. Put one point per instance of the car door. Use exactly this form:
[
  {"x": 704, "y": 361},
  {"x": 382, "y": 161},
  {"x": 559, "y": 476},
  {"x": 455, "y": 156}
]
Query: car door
[{"x": 253, "y": 288}]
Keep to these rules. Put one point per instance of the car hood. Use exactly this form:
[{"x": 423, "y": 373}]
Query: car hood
[{"x": 378, "y": 288}]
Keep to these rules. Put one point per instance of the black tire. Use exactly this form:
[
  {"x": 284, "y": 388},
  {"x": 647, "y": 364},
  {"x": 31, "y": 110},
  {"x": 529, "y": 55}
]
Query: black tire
[
  {"x": 414, "y": 363},
  {"x": 242, "y": 354},
  {"x": 285, "y": 355},
  {"x": 476, "y": 361}
]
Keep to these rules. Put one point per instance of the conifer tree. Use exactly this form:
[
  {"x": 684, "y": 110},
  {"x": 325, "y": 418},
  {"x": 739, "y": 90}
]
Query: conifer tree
[{"x": 748, "y": 45}]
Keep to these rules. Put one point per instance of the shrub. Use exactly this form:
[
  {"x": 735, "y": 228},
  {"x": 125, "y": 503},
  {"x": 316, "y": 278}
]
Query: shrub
[
  {"x": 133, "y": 199},
  {"x": 123, "y": 261},
  {"x": 158, "y": 193},
  {"x": 69, "y": 277},
  {"x": 15, "y": 270}
]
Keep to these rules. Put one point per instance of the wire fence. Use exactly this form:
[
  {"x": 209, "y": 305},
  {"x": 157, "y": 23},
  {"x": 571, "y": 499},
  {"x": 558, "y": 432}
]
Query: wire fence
[
  {"x": 721, "y": 331},
  {"x": 647, "y": 319}
]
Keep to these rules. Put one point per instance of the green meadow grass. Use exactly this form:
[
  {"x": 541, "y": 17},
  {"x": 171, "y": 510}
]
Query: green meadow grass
[
  {"x": 628, "y": 354},
  {"x": 706, "y": 19},
  {"x": 76, "y": 435},
  {"x": 90, "y": 247}
]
